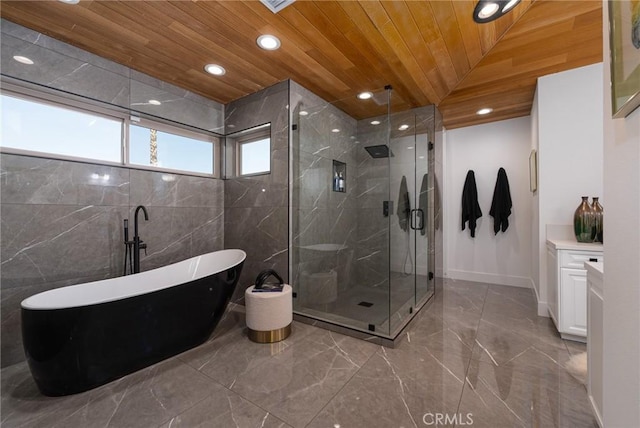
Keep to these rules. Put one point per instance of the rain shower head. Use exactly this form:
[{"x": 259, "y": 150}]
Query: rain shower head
[{"x": 380, "y": 151}]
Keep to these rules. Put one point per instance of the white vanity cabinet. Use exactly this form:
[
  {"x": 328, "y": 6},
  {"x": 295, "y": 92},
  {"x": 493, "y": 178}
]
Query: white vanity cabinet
[
  {"x": 595, "y": 344},
  {"x": 567, "y": 285}
]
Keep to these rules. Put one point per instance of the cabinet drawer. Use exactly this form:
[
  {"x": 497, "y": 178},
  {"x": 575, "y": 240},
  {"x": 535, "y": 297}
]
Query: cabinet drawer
[{"x": 576, "y": 259}]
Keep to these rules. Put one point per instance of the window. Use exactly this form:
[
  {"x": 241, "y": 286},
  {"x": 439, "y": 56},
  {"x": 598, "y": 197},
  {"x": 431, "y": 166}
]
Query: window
[
  {"x": 43, "y": 127},
  {"x": 49, "y": 125},
  {"x": 249, "y": 152},
  {"x": 255, "y": 156},
  {"x": 177, "y": 150}
]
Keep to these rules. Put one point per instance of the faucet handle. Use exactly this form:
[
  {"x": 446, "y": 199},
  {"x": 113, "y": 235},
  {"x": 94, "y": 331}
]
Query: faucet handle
[{"x": 143, "y": 247}]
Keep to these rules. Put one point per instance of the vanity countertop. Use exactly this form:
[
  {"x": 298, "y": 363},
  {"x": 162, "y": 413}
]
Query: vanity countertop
[{"x": 567, "y": 244}]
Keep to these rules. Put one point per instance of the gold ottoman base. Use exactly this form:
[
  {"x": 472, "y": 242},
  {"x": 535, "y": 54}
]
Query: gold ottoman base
[{"x": 270, "y": 336}]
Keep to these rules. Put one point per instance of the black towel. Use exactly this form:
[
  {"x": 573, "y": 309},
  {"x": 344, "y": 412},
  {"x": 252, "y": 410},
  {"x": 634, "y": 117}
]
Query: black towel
[
  {"x": 404, "y": 206},
  {"x": 470, "y": 208},
  {"x": 436, "y": 203},
  {"x": 422, "y": 202},
  {"x": 501, "y": 204}
]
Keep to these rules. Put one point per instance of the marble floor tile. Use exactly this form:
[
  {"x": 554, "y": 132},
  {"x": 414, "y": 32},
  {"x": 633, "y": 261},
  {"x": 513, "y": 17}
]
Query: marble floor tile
[
  {"x": 225, "y": 409},
  {"x": 229, "y": 356},
  {"x": 450, "y": 337},
  {"x": 145, "y": 398},
  {"x": 297, "y": 383},
  {"x": 575, "y": 347},
  {"x": 499, "y": 345},
  {"x": 476, "y": 353},
  {"x": 507, "y": 396},
  {"x": 396, "y": 387}
]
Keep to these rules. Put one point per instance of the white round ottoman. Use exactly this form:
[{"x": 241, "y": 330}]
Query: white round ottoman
[{"x": 269, "y": 314}]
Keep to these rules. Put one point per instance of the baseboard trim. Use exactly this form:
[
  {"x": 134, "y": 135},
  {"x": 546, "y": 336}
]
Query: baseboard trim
[
  {"x": 490, "y": 278},
  {"x": 596, "y": 411},
  {"x": 543, "y": 308}
]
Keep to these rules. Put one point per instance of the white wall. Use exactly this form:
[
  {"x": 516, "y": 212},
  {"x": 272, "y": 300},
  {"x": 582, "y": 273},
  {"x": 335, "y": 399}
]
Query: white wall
[
  {"x": 569, "y": 141},
  {"x": 621, "y": 365},
  {"x": 504, "y": 258},
  {"x": 535, "y": 210}
]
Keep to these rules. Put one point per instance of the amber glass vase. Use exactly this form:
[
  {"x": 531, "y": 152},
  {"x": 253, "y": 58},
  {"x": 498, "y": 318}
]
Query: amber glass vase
[
  {"x": 583, "y": 221},
  {"x": 598, "y": 220}
]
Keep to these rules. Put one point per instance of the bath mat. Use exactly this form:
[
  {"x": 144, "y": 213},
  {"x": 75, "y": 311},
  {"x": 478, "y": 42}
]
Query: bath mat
[{"x": 577, "y": 367}]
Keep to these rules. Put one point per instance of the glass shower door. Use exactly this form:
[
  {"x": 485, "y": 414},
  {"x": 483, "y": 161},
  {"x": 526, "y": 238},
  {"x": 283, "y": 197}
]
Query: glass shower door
[
  {"x": 405, "y": 219},
  {"x": 411, "y": 185},
  {"x": 424, "y": 242}
]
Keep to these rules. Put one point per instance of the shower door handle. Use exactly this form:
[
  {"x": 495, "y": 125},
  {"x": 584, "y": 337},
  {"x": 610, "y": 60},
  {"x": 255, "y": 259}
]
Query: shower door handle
[{"x": 417, "y": 217}]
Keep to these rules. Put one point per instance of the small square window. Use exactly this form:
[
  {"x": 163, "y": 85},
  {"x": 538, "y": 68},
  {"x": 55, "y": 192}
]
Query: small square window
[{"x": 254, "y": 156}]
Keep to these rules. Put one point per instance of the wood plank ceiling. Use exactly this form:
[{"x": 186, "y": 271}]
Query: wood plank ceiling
[{"x": 430, "y": 52}]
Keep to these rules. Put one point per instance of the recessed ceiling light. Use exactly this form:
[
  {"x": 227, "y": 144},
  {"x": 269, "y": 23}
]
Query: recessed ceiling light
[
  {"x": 375, "y": 122},
  {"x": 510, "y": 5},
  {"x": 23, "y": 59},
  {"x": 485, "y": 110},
  {"x": 410, "y": 148},
  {"x": 365, "y": 95},
  {"x": 488, "y": 10},
  {"x": 69, "y": 1},
  {"x": 335, "y": 130},
  {"x": 155, "y": 102},
  {"x": 403, "y": 127},
  {"x": 268, "y": 42},
  {"x": 215, "y": 69},
  {"x": 303, "y": 113}
]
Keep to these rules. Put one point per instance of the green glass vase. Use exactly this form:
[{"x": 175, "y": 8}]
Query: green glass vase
[
  {"x": 583, "y": 221},
  {"x": 598, "y": 220}
]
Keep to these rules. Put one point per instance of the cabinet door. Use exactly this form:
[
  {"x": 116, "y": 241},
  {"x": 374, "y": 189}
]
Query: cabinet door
[
  {"x": 552, "y": 284},
  {"x": 595, "y": 350},
  {"x": 573, "y": 301}
]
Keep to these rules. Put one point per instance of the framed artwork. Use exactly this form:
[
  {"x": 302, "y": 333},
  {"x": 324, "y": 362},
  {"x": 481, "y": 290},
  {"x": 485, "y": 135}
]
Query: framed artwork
[
  {"x": 624, "y": 40},
  {"x": 533, "y": 171}
]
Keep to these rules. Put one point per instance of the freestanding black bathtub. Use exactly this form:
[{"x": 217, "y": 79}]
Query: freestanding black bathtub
[{"x": 83, "y": 336}]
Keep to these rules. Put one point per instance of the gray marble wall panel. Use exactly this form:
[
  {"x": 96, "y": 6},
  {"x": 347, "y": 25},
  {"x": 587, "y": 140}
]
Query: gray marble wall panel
[
  {"x": 174, "y": 190},
  {"x": 256, "y": 218},
  {"x": 61, "y": 224},
  {"x": 372, "y": 250},
  {"x": 31, "y": 180},
  {"x": 58, "y": 71},
  {"x": 324, "y": 222},
  {"x": 60, "y": 66},
  {"x": 178, "y": 104},
  {"x": 8, "y": 28}
]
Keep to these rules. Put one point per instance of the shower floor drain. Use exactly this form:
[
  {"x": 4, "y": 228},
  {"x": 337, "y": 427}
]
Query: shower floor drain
[{"x": 365, "y": 304}]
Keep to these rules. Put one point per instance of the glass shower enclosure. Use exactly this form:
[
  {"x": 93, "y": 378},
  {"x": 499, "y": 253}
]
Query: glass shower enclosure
[{"x": 361, "y": 212}]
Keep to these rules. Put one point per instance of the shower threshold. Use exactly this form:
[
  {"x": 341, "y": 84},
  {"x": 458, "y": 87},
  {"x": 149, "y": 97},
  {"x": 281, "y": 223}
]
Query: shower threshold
[{"x": 373, "y": 333}]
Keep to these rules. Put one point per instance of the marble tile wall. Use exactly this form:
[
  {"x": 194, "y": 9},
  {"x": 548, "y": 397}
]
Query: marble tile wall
[
  {"x": 60, "y": 226},
  {"x": 63, "y": 67},
  {"x": 256, "y": 207},
  {"x": 372, "y": 256},
  {"x": 323, "y": 221}
]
